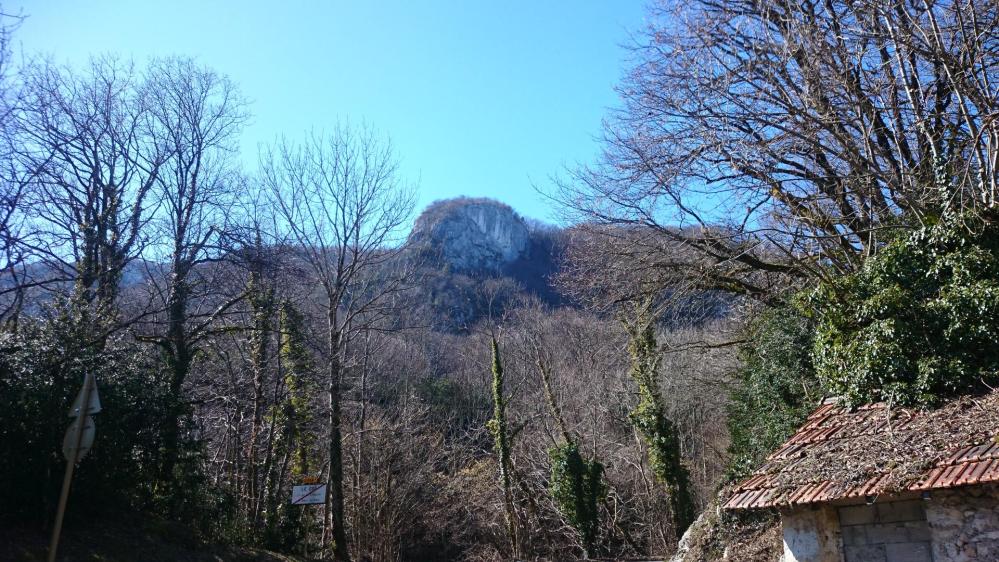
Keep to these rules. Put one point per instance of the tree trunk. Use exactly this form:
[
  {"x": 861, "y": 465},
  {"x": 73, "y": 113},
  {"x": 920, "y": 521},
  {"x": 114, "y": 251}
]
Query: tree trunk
[
  {"x": 261, "y": 337},
  {"x": 179, "y": 358},
  {"x": 335, "y": 480}
]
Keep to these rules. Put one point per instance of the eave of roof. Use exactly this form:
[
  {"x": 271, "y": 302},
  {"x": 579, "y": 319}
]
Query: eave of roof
[{"x": 840, "y": 454}]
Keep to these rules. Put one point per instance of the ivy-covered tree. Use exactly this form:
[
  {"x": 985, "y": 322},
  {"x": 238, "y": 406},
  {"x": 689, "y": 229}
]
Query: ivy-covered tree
[
  {"x": 776, "y": 387},
  {"x": 296, "y": 363},
  {"x": 577, "y": 487},
  {"x": 654, "y": 425},
  {"x": 293, "y": 442},
  {"x": 576, "y": 483},
  {"x": 919, "y": 322},
  {"x": 501, "y": 436},
  {"x": 260, "y": 295}
]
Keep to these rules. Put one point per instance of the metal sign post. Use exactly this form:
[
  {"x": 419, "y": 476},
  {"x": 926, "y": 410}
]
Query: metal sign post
[{"x": 75, "y": 445}]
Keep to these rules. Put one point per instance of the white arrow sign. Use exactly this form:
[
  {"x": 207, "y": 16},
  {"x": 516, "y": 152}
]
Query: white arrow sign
[
  {"x": 76, "y": 444},
  {"x": 86, "y": 439},
  {"x": 93, "y": 400}
]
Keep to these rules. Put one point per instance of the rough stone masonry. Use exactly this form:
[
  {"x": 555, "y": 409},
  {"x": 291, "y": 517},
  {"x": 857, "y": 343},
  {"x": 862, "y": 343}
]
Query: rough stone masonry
[{"x": 964, "y": 523}]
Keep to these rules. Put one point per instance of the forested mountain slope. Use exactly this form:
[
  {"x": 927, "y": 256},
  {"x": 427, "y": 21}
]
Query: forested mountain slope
[
  {"x": 477, "y": 257},
  {"x": 794, "y": 202}
]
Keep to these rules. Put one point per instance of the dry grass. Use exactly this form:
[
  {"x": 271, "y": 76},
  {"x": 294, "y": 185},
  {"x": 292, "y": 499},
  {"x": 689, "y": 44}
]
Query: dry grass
[{"x": 737, "y": 536}]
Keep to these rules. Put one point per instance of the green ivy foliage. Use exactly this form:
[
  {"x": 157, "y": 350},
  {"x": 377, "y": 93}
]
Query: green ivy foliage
[
  {"x": 284, "y": 529},
  {"x": 776, "y": 387},
  {"x": 650, "y": 419},
  {"x": 577, "y": 487},
  {"x": 497, "y": 426},
  {"x": 919, "y": 323},
  {"x": 298, "y": 373}
]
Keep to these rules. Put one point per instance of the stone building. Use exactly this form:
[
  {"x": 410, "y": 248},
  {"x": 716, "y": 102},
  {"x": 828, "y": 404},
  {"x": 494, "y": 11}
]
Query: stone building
[{"x": 882, "y": 484}]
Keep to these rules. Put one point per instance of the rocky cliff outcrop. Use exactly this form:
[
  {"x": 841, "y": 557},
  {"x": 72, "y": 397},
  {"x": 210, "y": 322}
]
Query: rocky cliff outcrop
[{"x": 469, "y": 235}]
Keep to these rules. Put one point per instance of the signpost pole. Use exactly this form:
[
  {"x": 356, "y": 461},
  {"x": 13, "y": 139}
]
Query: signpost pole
[
  {"x": 310, "y": 493},
  {"x": 306, "y": 513},
  {"x": 70, "y": 465}
]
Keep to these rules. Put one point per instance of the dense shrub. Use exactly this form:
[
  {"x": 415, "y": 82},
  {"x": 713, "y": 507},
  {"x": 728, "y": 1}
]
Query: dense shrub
[
  {"x": 919, "y": 322},
  {"x": 42, "y": 368},
  {"x": 776, "y": 387}
]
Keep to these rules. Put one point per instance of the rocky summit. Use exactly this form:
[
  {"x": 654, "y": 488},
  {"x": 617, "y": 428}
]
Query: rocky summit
[{"x": 469, "y": 234}]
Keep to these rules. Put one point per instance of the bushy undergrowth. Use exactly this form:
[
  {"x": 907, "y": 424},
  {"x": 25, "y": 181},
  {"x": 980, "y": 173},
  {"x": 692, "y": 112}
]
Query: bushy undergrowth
[
  {"x": 42, "y": 367},
  {"x": 776, "y": 387},
  {"x": 919, "y": 322},
  {"x": 916, "y": 325}
]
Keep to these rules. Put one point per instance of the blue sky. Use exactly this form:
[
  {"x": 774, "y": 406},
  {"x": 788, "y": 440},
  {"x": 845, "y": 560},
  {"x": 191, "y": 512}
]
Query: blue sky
[{"x": 480, "y": 98}]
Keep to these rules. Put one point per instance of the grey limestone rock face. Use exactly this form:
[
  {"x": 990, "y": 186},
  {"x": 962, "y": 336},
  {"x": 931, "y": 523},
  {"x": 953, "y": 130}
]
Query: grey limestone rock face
[{"x": 472, "y": 234}]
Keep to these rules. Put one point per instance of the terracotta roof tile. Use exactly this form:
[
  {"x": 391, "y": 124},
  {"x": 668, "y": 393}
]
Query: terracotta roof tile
[{"x": 872, "y": 450}]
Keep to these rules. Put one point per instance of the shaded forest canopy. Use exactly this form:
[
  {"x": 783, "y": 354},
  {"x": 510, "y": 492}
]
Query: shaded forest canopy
[{"x": 795, "y": 201}]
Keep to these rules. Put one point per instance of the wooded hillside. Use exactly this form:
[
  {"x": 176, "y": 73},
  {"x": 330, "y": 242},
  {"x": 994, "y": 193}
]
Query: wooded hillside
[{"x": 796, "y": 201}]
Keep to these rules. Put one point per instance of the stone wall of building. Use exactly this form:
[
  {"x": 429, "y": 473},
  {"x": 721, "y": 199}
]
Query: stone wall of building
[
  {"x": 885, "y": 531},
  {"x": 811, "y": 534},
  {"x": 957, "y": 525},
  {"x": 964, "y": 523}
]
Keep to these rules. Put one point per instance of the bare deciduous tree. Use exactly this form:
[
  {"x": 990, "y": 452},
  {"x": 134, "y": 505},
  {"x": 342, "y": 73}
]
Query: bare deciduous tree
[
  {"x": 343, "y": 205},
  {"x": 85, "y": 141},
  {"x": 194, "y": 117},
  {"x": 13, "y": 181},
  {"x": 782, "y": 138}
]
